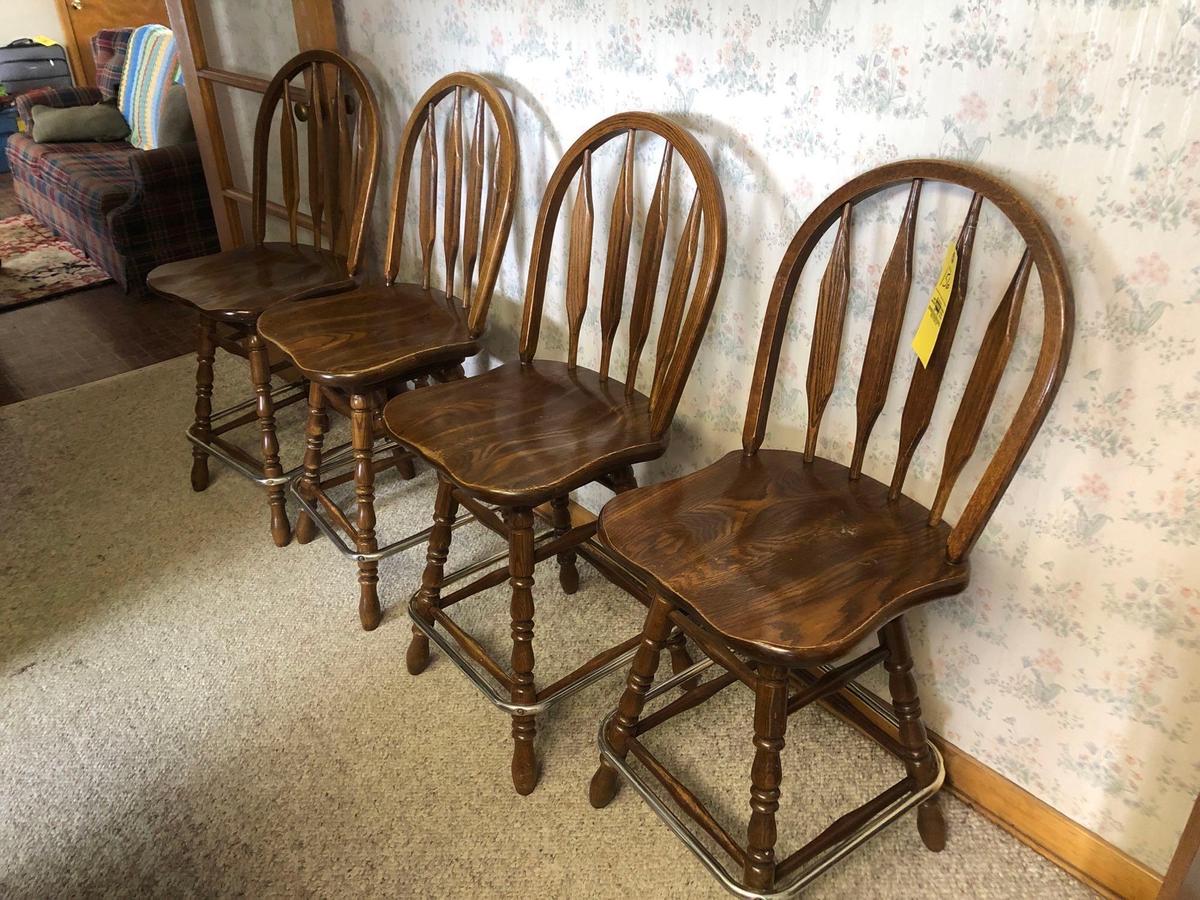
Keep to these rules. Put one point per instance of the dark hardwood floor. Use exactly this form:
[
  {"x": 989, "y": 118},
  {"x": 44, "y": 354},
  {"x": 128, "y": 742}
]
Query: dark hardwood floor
[{"x": 84, "y": 336}]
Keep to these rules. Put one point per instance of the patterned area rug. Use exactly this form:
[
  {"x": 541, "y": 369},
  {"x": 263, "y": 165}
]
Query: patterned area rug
[{"x": 36, "y": 265}]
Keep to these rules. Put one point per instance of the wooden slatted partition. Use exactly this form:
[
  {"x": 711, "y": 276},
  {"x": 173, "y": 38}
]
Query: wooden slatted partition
[{"x": 316, "y": 28}]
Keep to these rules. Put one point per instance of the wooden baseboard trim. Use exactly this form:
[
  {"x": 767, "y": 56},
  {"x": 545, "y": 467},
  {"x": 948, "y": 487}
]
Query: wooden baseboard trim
[{"x": 1070, "y": 846}]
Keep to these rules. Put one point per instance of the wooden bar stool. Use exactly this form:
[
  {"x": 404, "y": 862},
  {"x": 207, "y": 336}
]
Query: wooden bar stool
[
  {"x": 336, "y": 109},
  {"x": 777, "y": 563},
  {"x": 361, "y": 347},
  {"x": 530, "y": 432}
]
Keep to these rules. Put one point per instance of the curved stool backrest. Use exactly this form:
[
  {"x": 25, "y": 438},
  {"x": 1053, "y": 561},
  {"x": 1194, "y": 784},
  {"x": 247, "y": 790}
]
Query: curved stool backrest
[
  {"x": 475, "y": 221},
  {"x": 340, "y": 115},
  {"x": 703, "y": 238},
  {"x": 1041, "y": 252}
]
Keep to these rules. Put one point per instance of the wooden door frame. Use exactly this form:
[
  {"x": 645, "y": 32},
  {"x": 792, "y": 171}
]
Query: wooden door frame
[
  {"x": 75, "y": 53},
  {"x": 316, "y": 28},
  {"x": 74, "y": 60}
]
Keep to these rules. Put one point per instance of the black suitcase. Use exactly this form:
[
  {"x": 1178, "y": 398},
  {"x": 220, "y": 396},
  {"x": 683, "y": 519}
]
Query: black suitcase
[{"x": 26, "y": 68}]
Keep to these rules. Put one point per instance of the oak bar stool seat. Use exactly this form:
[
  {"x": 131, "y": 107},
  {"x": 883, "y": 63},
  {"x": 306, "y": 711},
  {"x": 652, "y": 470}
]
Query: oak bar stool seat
[
  {"x": 779, "y": 563},
  {"x": 824, "y": 558},
  {"x": 521, "y": 437},
  {"x": 526, "y": 433},
  {"x": 370, "y": 334},
  {"x": 237, "y": 285},
  {"x": 322, "y": 99},
  {"x": 361, "y": 347}
]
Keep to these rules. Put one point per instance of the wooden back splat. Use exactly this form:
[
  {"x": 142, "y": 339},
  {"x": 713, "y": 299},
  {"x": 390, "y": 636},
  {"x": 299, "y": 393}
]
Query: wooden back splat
[
  {"x": 481, "y": 240},
  {"x": 682, "y": 325},
  {"x": 341, "y": 116},
  {"x": 1041, "y": 251}
]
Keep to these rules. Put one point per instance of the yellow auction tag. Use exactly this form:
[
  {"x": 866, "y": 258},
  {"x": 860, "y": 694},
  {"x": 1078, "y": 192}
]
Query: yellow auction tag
[
  {"x": 45, "y": 41},
  {"x": 935, "y": 311}
]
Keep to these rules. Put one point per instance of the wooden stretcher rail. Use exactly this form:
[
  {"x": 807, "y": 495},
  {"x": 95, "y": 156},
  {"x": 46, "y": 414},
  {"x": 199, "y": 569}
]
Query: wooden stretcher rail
[
  {"x": 843, "y": 827},
  {"x": 473, "y": 648},
  {"x": 687, "y": 801},
  {"x": 686, "y": 701},
  {"x": 601, "y": 659}
]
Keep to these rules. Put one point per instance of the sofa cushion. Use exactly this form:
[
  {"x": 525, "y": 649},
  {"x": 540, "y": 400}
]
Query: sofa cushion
[
  {"x": 151, "y": 66},
  {"x": 88, "y": 185},
  {"x": 96, "y": 122}
]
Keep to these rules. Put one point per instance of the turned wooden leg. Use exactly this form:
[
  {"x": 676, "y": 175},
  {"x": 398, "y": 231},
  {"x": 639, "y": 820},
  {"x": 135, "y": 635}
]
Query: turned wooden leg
[
  {"x": 624, "y": 480},
  {"x": 362, "y": 439},
  {"x": 206, "y": 350},
  {"x": 920, "y": 763},
  {"x": 770, "y": 722},
  {"x": 260, "y": 374},
  {"x": 568, "y": 574},
  {"x": 520, "y": 565},
  {"x": 402, "y": 460},
  {"x": 314, "y": 438},
  {"x": 641, "y": 676},
  {"x": 681, "y": 659},
  {"x": 444, "y": 511}
]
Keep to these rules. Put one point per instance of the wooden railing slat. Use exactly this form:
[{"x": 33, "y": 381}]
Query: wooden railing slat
[
  {"x": 454, "y": 173},
  {"x": 884, "y": 338},
  {"x": 346, "y": 168},
  {"x": 426, "y": 225},
  {"x": 654, "y": 236},
  {"x": 579, "y": 259},
  {"x": 927, "y": 380},
  {"x": 474, "y": 199},
  {"x": 681, "y": 280},
  {"x": 981, "y": 386},
  {"x": 315, "y": 80},
  {"x": 290, "y": 157},
  {"x": 333, "y": 161},
  {"x": 620, "y": 229},
  {"x": 827, "y": 331}
]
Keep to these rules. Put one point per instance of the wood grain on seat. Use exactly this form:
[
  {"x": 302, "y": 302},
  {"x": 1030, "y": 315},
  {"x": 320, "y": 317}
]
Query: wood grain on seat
[
  {"x": 789, "y": 560},
  {"x": 523, "y": 434},
  {"x": 371, "y": 334},
  {"x": 238, "y": 284}
]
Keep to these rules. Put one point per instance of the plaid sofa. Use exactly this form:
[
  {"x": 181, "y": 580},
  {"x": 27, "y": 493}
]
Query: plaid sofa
[{"x": 129, "y": 210}]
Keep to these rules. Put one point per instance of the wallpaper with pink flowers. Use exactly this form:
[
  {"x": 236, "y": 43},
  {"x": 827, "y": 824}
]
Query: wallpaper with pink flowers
[{"x": 1071, "y": 664}]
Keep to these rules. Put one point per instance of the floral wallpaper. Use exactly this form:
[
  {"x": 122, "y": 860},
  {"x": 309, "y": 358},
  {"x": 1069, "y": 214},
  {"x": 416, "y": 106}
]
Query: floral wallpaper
[{"x": 1070, "y": 665}]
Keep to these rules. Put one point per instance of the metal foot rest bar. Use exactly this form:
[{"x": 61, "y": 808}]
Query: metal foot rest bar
[
  {"x": 339, "y": 457},
  {"x": 496, "y": 688},
  {"x": 877, "y": 814},
  {"x": 226, "y": 420}
]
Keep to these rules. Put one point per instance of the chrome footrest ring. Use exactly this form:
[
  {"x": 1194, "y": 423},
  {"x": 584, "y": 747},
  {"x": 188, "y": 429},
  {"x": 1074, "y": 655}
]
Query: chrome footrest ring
[
  {"x": 816, "y": 867},
  {"x": 280, "y": 394},
  {"x": 339, "y": 457}
]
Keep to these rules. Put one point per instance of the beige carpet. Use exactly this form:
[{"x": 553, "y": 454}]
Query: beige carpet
[{"x": 187, "y": 711}]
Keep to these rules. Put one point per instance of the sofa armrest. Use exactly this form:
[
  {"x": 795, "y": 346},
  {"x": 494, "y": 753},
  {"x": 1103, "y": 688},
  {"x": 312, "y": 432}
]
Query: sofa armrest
[
  {"x": 60, "y": 98},
  {"x": 168, "y": 168},
  {"x": 168, "y": 215}
]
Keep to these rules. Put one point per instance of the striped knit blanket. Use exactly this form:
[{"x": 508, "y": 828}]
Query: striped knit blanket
[{"x": 151, "y": 66}]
